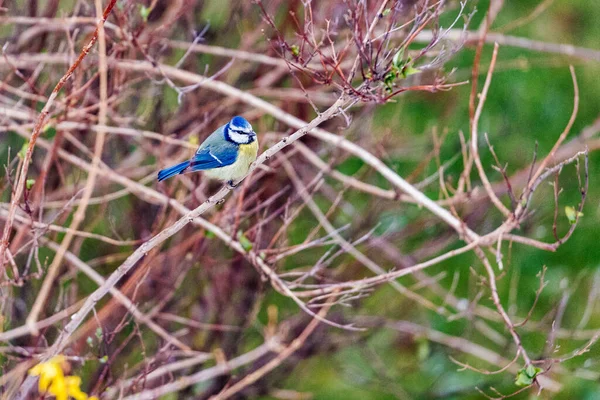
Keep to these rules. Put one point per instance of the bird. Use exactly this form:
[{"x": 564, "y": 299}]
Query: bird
[{"x": 225, "y": 155}]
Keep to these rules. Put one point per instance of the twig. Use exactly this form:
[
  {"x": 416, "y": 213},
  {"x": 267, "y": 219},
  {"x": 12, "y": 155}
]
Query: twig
[
  {"x": 79, "y": 216},
  {"x": 474, "y": 142},
  {"x": 98, "y": 294},
  {"x": 208, "y": 373},
  {"x": 20, "y": 185},
  {"x": 275, "y": 362}
]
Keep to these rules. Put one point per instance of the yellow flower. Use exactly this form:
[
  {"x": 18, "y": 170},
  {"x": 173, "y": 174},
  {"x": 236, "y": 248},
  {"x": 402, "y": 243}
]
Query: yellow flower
[
  {"x": 72, "y": 383},
  {"x": 58, "y": 388},
  {"x": 54, "y": 382},
  {"x": 48, "y": 372}
]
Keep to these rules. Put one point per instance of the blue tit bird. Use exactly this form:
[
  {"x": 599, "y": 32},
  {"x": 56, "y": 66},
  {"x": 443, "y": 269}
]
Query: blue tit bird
[{"x": 225, "y": 155}]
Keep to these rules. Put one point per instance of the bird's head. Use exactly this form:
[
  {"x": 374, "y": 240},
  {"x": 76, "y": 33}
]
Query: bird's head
[{"x": 239, "y": 131}]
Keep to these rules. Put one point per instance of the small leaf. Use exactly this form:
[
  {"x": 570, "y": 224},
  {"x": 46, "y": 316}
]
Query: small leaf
[
  {"x": 99, "y": 333},
  {"x": 244, "y": 241},
  {"x": 145, "y": 12},
  {"x": 295, "y": 50},
  {"x": 89, "y": 341},
  {"x": 525, "y": 376},
  {"x": 388, "y": 80},
  {"x": 523, "y": 379},
  {"x": 210, "y": 235},
  {"x": 103, "y": 360},
  {"x": 408, "y": 70},
  {"x": 572, "y": 214},
  {"x": 386, "y": 11},
  {"x": 29, "y": 183},
  {"x": 397, "y": 61}
]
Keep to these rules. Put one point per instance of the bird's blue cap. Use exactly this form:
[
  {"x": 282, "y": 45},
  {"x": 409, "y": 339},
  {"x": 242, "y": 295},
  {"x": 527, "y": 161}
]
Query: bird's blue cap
[{"x": 239, "y": 124}]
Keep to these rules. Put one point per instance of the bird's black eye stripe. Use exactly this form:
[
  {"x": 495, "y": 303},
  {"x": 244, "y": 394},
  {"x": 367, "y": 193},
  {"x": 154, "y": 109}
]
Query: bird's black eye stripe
[{"x": 242, "y": 131}]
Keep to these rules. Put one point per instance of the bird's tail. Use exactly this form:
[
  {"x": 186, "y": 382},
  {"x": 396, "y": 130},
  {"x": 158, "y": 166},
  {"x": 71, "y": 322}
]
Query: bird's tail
[{"x": 172, "y": 171}]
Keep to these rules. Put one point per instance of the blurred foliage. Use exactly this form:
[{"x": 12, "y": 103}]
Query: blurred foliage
[{"x": 529, "y": 102}]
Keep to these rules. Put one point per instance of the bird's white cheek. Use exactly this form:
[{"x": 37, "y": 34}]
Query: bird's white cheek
[{"x": 238, "y": 137}]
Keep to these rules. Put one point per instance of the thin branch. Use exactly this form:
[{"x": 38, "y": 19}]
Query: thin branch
[{"x": 20, "y": 185}]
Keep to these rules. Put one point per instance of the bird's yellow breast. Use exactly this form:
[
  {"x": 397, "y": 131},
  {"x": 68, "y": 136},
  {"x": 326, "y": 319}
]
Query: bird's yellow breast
[
  {"x": 248, "y": 150},
  {"x": 246, "y": 155}
]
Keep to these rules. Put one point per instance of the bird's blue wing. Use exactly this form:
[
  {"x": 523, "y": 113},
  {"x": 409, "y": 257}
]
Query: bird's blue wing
[{"x": 211, "y": 157}]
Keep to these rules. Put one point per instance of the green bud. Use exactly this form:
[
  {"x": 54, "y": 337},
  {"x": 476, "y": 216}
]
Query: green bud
[{"x": 572, "y": 214}]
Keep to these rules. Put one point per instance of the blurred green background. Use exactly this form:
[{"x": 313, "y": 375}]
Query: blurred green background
[{"x": 529, "y": 102}]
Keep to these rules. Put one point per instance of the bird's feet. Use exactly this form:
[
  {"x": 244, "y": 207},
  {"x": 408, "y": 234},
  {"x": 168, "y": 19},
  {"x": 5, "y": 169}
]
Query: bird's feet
[{"x": 231, "y": 185}]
